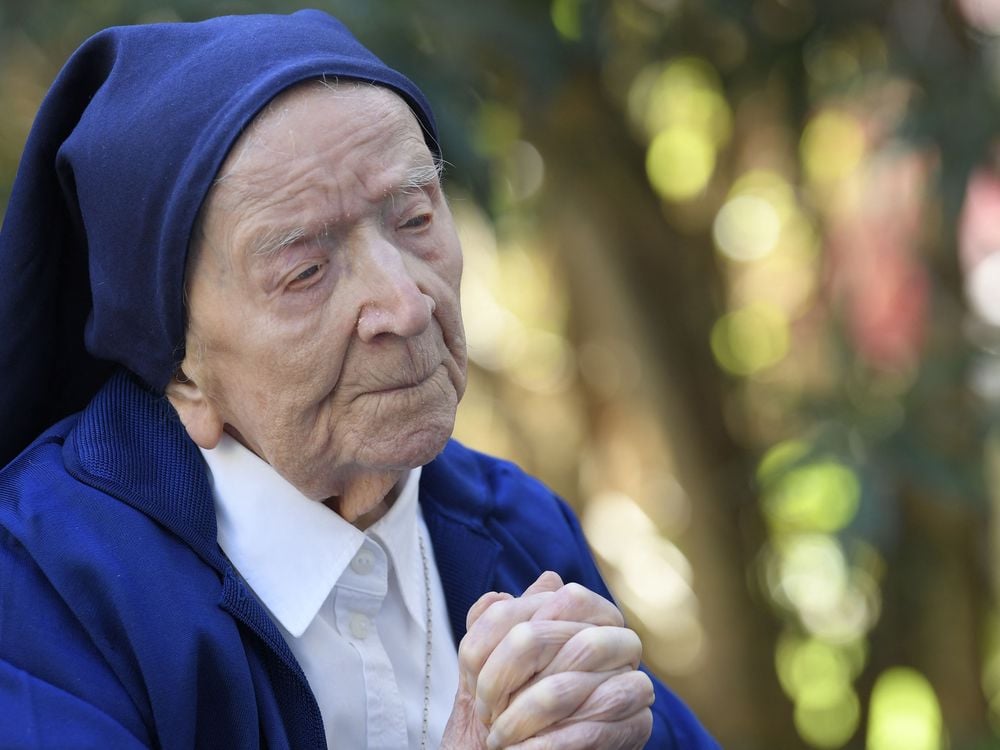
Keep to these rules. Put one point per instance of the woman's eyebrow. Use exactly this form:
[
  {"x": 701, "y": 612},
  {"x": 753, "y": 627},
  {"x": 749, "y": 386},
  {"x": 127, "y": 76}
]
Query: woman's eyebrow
[
  {"x": 420, "y": 176},
  {"x": 269, "y": 243}
]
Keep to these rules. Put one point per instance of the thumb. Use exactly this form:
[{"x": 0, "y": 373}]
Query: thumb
[{"x": 483, "y": 604}]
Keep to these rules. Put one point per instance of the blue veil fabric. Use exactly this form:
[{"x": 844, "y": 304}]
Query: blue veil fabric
[{"x": 121, "y": 155}]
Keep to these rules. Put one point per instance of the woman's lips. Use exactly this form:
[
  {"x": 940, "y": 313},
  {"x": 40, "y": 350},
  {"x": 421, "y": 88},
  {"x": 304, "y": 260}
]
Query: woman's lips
[{"x": 407, "y": 384}]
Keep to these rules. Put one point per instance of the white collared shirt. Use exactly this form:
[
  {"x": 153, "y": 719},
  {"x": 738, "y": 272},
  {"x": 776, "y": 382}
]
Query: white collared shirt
[{"x": 351, "y": 604}]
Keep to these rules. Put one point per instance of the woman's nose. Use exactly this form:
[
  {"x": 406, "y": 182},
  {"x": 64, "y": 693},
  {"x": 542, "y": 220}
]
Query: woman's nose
[{"x": 395, "y": 303}]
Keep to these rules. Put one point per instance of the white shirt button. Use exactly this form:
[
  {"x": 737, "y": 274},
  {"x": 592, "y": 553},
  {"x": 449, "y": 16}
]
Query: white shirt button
[
  {"x": 363, "y": 562},
  {"x": 360, "y": 626}
]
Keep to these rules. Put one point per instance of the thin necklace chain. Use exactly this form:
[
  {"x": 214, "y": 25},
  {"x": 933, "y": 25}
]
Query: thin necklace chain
[{"x": 427, "y": 645}]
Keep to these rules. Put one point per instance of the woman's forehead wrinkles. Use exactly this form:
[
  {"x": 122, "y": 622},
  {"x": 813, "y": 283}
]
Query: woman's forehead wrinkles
[
  {"x": 271, "y": 240},
  {"x": 282, "y": 183},
  {"x": 263, "y": 165}
]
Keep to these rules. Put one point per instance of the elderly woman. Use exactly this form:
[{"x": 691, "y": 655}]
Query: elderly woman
[{"x": 229, "y": 246}]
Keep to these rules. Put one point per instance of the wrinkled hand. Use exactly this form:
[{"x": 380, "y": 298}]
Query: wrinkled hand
[{"x": 553, "y": 668}]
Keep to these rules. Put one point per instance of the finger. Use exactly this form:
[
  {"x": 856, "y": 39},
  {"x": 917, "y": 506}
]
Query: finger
[
  {"x": 628, "y": 734},
  {"x": 597, "y": 649},
  {"x": 616, "y": 698},
  {"x": 491, "y": 618},
  {"x": 526, "y": 650},
  {"x": 544, "y": 703},
  {"x": 492, "y": 626},
  {"x": 482, "y": 604},
  {"x": 580, "y": 604},
  {"x": 547, "y": 581}
]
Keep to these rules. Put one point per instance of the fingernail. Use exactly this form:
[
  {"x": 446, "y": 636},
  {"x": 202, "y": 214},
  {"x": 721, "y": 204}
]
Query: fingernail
[{"x": 493, "y": 741}]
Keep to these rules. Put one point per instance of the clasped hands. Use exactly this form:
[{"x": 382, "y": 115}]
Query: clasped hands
[{"x": 552, "y": 668}]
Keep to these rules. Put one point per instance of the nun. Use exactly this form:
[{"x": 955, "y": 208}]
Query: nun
[{"x": 231, "y": 513}]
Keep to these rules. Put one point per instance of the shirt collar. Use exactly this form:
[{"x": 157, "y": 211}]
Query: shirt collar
[{"x": 292, "y": 550}]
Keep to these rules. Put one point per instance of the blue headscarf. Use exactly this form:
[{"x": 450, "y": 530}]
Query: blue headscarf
[{"x": 122, "y": 153}]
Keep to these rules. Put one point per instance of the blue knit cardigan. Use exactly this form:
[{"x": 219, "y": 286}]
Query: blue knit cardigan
[{"x": 122, "y": 624}]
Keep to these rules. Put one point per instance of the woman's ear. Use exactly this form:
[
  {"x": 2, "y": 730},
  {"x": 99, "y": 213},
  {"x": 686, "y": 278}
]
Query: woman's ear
[{"x": 197, "y": 412}]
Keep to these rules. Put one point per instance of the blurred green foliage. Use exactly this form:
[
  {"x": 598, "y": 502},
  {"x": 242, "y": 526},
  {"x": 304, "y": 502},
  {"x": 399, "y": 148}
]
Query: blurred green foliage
[{"x": 730, "y": 288}]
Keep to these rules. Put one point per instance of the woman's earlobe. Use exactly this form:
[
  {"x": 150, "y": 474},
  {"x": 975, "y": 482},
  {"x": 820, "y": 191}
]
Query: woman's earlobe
[{"x": 196, "y": 411}]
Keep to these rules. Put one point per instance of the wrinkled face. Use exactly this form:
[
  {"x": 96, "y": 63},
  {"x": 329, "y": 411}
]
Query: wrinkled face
[{"x": 324, "y": 325}]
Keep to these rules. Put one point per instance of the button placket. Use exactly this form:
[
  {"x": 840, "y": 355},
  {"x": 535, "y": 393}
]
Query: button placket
[
  {"x": 357, "y": 601},
  {"x": 363, "y": 562},
  {"x": 359, "y": 625},
  {"x": 361, "y": 590}
]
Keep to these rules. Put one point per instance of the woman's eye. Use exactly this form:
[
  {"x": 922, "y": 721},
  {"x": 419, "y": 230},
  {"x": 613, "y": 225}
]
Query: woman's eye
[
  {"x": 417, "y": 222},
  {"x": 311, "y": 271}
]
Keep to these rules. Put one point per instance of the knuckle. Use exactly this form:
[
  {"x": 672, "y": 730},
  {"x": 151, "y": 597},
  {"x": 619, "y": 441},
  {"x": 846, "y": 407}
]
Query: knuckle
[
  {"x": 617, "y": 694},
  {"x": 544, "y": 698},
  {"x": 643, "y": 727},
  {"x": 575, "y": 591},
  {"x": 575, "y": 596},
  {"x": 592, "y": 649},
  {"x": 472, "y": 653},
  {"x": 478, "y": 643},
  {"x": 588, "y": 645},
  {"x": 618, "y": 698},
  {"x": 634, "y": 731},
  {"x": 633, "y": 646},
  {"x": 482, "y": 605},
  {"x": 548, "y": 695},
  {"x": 496, "y": 612},
  {"x": 646, "y": 688},
  {"x": 630, "y": 734},
  {"x": 571, "y": 598},
  {"x": 634, "y": 690},
  {"x": 583, "y": 603},
  {"x": 522, "y": 636}
]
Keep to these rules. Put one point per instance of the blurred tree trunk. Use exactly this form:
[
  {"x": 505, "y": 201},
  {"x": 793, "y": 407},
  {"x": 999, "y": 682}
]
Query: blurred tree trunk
[
  {"x": 617, "y": 221},
  {"x": 935, "y": 601}
]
